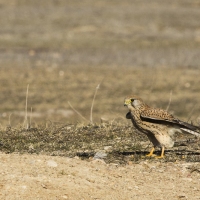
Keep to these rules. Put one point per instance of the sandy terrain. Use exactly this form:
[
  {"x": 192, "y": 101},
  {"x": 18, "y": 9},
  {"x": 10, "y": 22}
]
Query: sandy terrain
[{"x": 45, "y": 177}]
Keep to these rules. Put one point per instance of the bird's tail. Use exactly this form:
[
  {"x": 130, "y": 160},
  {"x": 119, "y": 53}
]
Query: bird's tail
[
  {"x": 190, "y": 128},
  {"x": 191, "y": 132}
]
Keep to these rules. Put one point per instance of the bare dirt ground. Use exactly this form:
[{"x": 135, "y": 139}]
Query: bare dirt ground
[
  {"x": 63, "y": 50},
  {"x": 47, "y": 177}
]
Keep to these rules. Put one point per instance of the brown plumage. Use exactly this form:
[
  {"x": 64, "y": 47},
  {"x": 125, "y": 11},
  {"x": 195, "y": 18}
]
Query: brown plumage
[{"x": 157, "y": 124}]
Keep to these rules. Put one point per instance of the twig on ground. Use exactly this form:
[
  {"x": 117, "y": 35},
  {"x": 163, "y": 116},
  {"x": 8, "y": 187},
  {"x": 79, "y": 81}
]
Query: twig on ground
[
  {"x": 91, "y": 110},
  {"x": 30, "y": 118},
  {"x": 76, "y": 111},
  {"x": 9, "y": 122},
  {"x": 170, "y": 99},
  {"x": 190, "y": 114},
  {"x": 25, "y": 125}
]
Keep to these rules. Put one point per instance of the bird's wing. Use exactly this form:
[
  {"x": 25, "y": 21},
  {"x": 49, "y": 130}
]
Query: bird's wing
[
  {"x": 163, "y": 117},
  {"x": 155, "y": 115}
]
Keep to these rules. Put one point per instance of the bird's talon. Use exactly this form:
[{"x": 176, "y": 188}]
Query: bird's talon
[
  {"x": 159, "y": 157},
  {"x": 151, "y": 153}
]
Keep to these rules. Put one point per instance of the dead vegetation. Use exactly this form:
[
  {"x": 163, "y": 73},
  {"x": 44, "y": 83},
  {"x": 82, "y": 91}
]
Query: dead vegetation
[{"x": 120, "y": 143}]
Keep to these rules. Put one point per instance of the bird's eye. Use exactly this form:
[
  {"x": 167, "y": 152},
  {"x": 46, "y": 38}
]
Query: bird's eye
[{"x": 132, "y": 100}]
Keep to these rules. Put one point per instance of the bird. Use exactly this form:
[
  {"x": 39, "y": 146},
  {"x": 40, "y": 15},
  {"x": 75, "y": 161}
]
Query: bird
[{"x": 159, "y": 125}]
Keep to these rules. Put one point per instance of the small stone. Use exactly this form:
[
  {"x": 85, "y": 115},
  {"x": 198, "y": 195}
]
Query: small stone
[
  {"x": 23, "y": 186},
  {"x": 51, "y": 163},
  {"x": 100, "y": 155},
  {"x": 130, "y": 188},
  {"x": 108, "y": 148},
  {"x": 130, "y": 163}
]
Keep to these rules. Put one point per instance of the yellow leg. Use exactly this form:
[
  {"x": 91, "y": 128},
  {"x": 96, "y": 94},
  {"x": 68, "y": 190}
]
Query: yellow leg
[
  {"x": 162, "y": 153},
  {"x": 151, "y": 152}
]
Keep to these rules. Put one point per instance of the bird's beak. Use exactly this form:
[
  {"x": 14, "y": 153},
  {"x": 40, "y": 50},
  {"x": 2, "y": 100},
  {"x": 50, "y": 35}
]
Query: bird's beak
[{"x": 127, "y": 102}]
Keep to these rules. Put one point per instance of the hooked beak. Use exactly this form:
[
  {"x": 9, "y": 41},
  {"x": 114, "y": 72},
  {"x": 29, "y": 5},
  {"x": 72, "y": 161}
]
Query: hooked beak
[{"x": 127, "y": 102}]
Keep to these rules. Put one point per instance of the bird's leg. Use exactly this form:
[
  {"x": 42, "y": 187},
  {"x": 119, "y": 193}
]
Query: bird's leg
[
  {"x": 151, "y": 152},
  {"x": 162, "y": 153}
]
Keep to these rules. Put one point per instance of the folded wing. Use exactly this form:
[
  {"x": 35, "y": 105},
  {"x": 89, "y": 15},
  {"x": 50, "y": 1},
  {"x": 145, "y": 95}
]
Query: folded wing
[{"x": 163, "y": 117}]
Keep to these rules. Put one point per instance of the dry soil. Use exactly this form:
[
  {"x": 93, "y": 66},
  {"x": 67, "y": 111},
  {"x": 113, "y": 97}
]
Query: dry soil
[{"x": 45, "y": 177}]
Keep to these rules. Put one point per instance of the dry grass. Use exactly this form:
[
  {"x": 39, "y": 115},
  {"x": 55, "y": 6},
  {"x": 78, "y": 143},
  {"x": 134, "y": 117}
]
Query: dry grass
[
  {"x": 53, "y": 88},
  {"x": 120, "y": 142}
]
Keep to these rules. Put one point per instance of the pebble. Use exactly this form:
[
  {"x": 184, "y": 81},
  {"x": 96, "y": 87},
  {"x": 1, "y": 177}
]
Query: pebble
[
  {"x": 108, "y": 148},
  {"x": 100, "y": 155},
  {"x": 51, "y": 163}
]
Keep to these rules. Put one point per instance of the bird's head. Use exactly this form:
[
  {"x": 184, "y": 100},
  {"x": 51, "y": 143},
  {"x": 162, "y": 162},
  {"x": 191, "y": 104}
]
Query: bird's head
[{"x": 133, "y": 101}]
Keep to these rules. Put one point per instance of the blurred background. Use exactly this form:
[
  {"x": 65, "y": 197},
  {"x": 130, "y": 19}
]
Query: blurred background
[{"x": 64, "y": 49}]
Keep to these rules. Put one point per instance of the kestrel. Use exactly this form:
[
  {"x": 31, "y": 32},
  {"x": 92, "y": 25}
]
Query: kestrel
[{"x": 157, "y": 124}]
